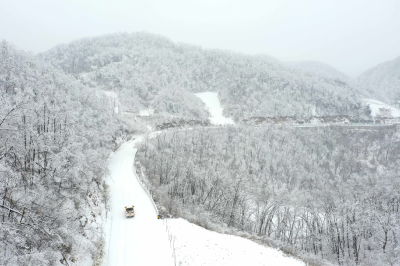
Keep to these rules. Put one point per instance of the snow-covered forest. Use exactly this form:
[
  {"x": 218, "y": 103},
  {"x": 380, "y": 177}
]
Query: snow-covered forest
[
  {"x": 330, "y": 192},
  {"x": 323, "y": 193},
  {"x": 143, "y": 67},
  {"x": 55, "y": 136}
]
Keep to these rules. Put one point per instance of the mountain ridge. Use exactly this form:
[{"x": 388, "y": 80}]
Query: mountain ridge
[{"x": 140, "y": 65}]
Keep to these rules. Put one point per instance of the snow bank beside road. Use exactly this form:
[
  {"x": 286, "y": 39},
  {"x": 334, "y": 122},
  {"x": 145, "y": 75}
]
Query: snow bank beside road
[
  {"x": 210, "y": 99},
  {"x": 196, "y": 246}
]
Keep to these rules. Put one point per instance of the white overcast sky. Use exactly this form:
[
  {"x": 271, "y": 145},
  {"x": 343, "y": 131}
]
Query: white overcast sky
[{"x": 350, "y": 35}]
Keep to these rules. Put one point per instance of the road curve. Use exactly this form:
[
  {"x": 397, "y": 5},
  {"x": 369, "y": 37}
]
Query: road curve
[{"x": 141, "y": 240}]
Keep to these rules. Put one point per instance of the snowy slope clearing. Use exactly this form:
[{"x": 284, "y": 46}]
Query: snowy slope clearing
[
  {"x": 381, "y": 109},
  {"x": 196, "y": 246},
  {"x": 141, "y": 240},
  {"x": 146, "y": 112},
  {"x": 210, "y": 99}
]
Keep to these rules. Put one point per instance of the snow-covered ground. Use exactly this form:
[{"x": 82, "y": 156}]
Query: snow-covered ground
[
  {"x": 210, "y": 99},
  {"x": 146, "y": 112},
  {"x": 196, "y": 246},
  {"x": 140, "y": 240},
  {"x": 381, "y": 109}
]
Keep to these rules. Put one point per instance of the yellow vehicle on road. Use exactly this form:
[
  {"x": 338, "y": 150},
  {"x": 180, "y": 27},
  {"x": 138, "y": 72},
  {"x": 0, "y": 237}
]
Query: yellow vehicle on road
[{"x": 129, "y": 211}]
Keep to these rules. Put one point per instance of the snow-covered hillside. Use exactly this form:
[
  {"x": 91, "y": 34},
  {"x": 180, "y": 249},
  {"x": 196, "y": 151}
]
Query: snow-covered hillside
[
  {"x": 51, "y": 163},
  {"x": 381, "y": 109},
  {"x": 196, "y": 246},
  {"x": 383, "y": 81},
  {"x": 210, "y": 99},
  {"x": 150, "y": 70}
]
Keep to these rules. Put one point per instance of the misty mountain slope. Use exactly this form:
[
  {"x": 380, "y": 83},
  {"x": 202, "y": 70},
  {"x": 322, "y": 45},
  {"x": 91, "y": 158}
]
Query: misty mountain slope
[
  {"x": 319, "y": 68},
  {"x": 55, "y": 136},
  {"x": 140, "y": 65},
  {"x": 383, "y": 81}
]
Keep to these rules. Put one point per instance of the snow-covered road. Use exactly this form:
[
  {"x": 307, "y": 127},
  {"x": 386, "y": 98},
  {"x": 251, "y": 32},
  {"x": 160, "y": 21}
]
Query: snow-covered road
[{"x": 141, "y": 240}]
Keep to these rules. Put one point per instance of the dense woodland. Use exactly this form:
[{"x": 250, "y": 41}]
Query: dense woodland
[
  {"x": 140, "y": 66},
  {"x": 330, "y": 192},
  {"x": 55, "y": 135}
]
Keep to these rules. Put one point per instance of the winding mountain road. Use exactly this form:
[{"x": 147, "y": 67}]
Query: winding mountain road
[{"x": 141, "y": 240}]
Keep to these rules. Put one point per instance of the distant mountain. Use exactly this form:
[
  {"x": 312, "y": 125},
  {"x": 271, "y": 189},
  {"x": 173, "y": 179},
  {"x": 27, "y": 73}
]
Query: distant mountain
[
  {"x": 383, "y": 81},
  {"x": 318, "y": 68},
  {"x": 143, "y": 67}
]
